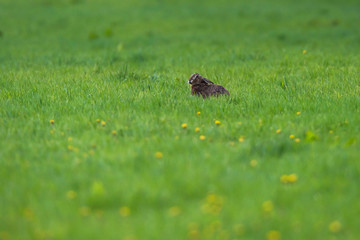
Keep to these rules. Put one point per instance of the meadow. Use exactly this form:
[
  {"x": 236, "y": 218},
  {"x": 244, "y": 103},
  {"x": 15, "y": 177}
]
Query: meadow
[{"x": 100, "y": 138}]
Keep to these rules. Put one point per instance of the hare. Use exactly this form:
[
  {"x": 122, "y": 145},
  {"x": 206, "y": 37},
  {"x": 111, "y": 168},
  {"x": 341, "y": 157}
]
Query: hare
[{"x": 204, "y": 87}]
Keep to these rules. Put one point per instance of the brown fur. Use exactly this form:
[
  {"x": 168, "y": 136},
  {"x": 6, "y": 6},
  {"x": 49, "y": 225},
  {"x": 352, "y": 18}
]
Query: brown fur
[{"x": 201, "y": 86}]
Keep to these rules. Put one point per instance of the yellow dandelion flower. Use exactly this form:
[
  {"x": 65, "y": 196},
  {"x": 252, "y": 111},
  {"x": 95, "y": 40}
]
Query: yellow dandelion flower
[
  {"x": 184, "y": 125},
  {"x": 158, "y": 155},
  {"x": 211, "y": 198},
  {"x": 71, "y": 194},
  {"x": 198, "y": 113},
  {"x": 70, "y": 139},
  {"x": 284, "y": 179},
  {"x": 273, "y": 235},
  {"x": 292, "y": 178},
  {"x": 331, "y": 131},
  {"x": 239, "y": 123},
  {"x": 197, "y": 129},
  {"x": 103, "y": 123},
  {"x": 292, "y": 136},
  {"x": 98, "y": 120},
  {"x": 213, "y": 204},
  {"x": 84, "y": 211},
  {"x": 174, "y": 211},
  {"x": 335, "y": 227},
  {"x": 124, "y": 211},
  {"x": 70, "y": 148},
  {"x": 297, "y": 140},
  {"x": 28, "y": 214},
  {"x": 242, "y": 139},
  {"x": 62, "y": 133},
  {"x": 202, "y": 137},
  {"x": 304, "y": 51},
  {"x": 278, "y": 131},
  {"x": 52, "y": 121},
  {"x": 194, "y": 234},
  {"x": 217, "y": 122},
  {"x": 298, "y": 113},
  {"x": 253, "y": 163},
  {"x": 114, "y": 132},
  {"x": 268, "y": 206}
]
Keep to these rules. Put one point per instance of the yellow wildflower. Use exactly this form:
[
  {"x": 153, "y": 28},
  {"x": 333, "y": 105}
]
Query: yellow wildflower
[
  {"x": 278, "y": 131},
  {"x": 197, "y": 129},
  {"x": 114, "y": 132},
  {"x": 198, "y": 113},
  {"x": 292, "y": 136},
  {"x": 28, "y": 214},
  {"x": 52, "y": 121},
  {"x": 202, "y": 137},
  {"x": 124, "y": 211},
  {"x": 70, "y": 148},
  {"x": 174, "y": 211},
  {"x": 84, "y": 211},
  {"x": 213, "y": 204},
  {"x": 158, "y": 155},
  {"x": 70, "y": 139},
  {"x": 335, "y": 226},
  {"x": 298, "y": 113},
  {"x": 71, "y": 194},
  {"x": 194, "y": 234},
  {"x": 284, "y": 179},
  {"x": 297, "y": 140},
  {"x": 331, "y": 131},
  {"x": 217, "y": 122},
  {"x": 253, "y": 163},
  {"x": 98, "y": 120},
  {"x": 242, "y": 139},
  {"x": 184, "y": 125},
  {"x": 273, "y": 235},
  {"x": 292, "y": 178},
  {"x": 103, "y": 123},
  {"x": 304, "y": 51},
  {"x": 268, "y": 206}
]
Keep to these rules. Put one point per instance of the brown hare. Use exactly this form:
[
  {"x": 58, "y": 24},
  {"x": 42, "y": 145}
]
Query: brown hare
[{"x": 204, "y": 87}]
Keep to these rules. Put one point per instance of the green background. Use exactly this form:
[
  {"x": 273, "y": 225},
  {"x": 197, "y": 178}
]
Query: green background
[{"x": 127, "y": 63}]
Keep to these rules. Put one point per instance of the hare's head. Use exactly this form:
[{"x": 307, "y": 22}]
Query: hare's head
[{"x": 197, "y": 79}]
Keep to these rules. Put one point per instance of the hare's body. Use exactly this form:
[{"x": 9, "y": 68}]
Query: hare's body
[{"x": 201, "y": 86}]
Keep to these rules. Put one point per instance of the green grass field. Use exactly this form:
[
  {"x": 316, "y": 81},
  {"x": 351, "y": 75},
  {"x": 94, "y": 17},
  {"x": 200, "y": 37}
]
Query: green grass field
[{"x": 93, "y": 95}]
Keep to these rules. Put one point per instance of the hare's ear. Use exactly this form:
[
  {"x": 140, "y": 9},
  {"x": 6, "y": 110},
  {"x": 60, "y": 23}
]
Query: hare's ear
[
  {"x": 194, "y": 76},
  {"x": 208, "y": 82}
]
